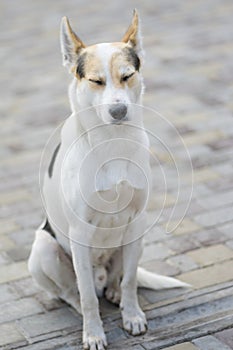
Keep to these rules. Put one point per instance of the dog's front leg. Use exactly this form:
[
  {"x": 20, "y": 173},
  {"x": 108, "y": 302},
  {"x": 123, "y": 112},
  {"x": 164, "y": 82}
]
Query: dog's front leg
[
  {"x": 134, "y": 320},
  {"x": 93, "y": 333}
]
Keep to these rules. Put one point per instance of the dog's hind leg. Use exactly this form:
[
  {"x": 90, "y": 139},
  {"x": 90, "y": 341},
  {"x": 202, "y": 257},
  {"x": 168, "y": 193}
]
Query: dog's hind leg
[{"x": 52, "y": 269}]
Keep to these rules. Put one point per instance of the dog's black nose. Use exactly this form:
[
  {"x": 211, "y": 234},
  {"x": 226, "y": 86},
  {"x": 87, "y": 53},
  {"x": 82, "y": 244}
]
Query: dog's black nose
[{"x": 118, "y": 111}]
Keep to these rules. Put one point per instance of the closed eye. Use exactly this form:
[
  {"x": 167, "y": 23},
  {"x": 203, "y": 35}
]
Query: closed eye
[
  {"x": 126, "y": 77},
  {"x": 98, "y": 81}
]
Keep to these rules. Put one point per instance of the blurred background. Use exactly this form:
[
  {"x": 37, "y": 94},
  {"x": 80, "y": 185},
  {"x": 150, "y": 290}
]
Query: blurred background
[{"x": 188, "y": 74}]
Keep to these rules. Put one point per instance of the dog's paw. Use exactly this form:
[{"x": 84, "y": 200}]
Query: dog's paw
[
  {"x": 93, "y": 342},
  {"x": 113, "y": 295},
  {"x": 135, "y": 324}
]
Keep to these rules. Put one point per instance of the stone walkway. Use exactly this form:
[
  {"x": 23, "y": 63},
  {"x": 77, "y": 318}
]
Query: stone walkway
[{"x": 188, "y": 77}]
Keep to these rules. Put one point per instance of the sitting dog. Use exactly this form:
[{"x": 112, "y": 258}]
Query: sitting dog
[{"x": 96, "y": 187}]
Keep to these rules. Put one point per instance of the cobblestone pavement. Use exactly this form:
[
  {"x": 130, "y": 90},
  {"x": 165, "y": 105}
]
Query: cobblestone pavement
[{"x": 188, "y": 77}]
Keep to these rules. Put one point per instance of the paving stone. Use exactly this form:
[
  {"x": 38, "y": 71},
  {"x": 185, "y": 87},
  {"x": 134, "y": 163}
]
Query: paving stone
[
  {"x": 155, "y": 234},
  {"x": 19, "y": 254},
  {"x": 224, "y": 168},
  {"x": 64, "y": 342},
  {"x": 226, "y": 337},
  {"x": 183, "y": 262},
  {"x": 185, "y": 226},
  {"x": 225, "y": 143},
  {"x": 201, "y": 190},
  {"x": 209, "y": 160},
  {"x": 209, "y": 236},
  {"x": 7, "y": 226},
  {"x": 24, "y": 214},
  {"x": 230, "y": 244},
  {"x": 182, "y": 209},
  {"x": 13, "y": 272},
  {"x": 161, "y": 267},
  {"x": 6, "y": 243},
  {"x": 23, "y": 237},
  {"x": 4, "y": 259},
  {"x": 197, "y": 151},
  {"x": 184, "y": 346},
  {"x": 109, "y": 309},
  {"x": 9, "y": 333},
  {"x": 204, "y": 175},
  {"x": 210, "y": 343},
  {"x": 216, "y": 200},
  {"x": 227, "y": 229},
  {"x": 208, "y": 276},
  {"x": 155, "y": 251},
  {"x": 211, "y": 255},
  {"x": 68, "y": 348},
  {"x": 22, "y": 158},
  {"x": 190, "y": 118},
  {"x": 54, "y": 320},
  {"x": 14, "y": 196},
  {"x": 16, "y": 309},
  {"x": 221, "y": 184},
  {"x": 214, "y": 217},
  {"x": 160, "y": 296},
  {"x": 25, "y": 286},
  {"x": 30, "y": 219},
  {"x": 182, "y": 244},
  {"x": 160, "y": 201},
  {"x": 115, "y": 335},
  {"x": 48, "y": 302},
  {"x": 7, "y": 293}
]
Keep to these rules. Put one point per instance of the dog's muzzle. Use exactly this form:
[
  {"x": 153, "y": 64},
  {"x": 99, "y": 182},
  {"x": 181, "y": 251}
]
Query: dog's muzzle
[{"x": 118, "y": 111}]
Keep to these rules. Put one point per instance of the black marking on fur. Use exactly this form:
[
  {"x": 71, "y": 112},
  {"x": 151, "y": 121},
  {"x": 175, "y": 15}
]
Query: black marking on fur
[
  {"x": 132, "y": 57},
  {"x": 46, "y": 226},
  {"x": 52, "y": 162},
  {"x": 81, "y": 65}
]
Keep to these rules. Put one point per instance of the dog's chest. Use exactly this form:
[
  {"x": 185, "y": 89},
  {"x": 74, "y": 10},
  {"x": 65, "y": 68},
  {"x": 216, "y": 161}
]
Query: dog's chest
[
  {"x": 116, "y": 206},
  {"x": 111, "y": 213},
  {"x": 106, "y": 197},
  {"x": 104, "y": 189}
]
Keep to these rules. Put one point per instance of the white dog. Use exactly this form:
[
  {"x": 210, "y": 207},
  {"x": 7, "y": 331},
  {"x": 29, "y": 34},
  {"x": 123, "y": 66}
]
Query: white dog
[{"x": 96, "y": 188}]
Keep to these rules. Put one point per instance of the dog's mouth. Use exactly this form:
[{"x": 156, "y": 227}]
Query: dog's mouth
[{"x": 119, "y": 121}]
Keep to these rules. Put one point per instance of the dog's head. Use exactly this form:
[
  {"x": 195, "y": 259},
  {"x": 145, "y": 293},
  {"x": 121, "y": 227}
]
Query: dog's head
[{"x": 106, "y": 76}]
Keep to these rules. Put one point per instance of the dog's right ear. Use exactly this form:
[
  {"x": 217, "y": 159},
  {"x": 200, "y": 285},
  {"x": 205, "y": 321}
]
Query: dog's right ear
[{"x": 71, "y": 44}]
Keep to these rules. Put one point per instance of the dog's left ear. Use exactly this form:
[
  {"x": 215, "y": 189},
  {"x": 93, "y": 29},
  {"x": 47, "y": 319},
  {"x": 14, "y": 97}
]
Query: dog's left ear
[
  {"x": 71, "y": 44},
  {"x": 133, "y": 35}
]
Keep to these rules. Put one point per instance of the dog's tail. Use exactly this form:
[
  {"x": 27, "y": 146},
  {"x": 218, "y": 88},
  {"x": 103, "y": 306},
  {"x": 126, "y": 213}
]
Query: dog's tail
[{"x": 154, "y": 281}]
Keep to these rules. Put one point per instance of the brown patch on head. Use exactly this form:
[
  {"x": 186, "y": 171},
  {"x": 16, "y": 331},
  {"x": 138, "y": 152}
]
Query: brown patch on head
[
  {"x": 89, "y": 67},
  {"x": 123, "y": 65}
]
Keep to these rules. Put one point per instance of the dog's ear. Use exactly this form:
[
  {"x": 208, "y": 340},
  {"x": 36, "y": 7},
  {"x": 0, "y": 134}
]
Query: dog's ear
[
  {"x": 71, "y": 44},
  {"x": 133, "y": 35}
]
